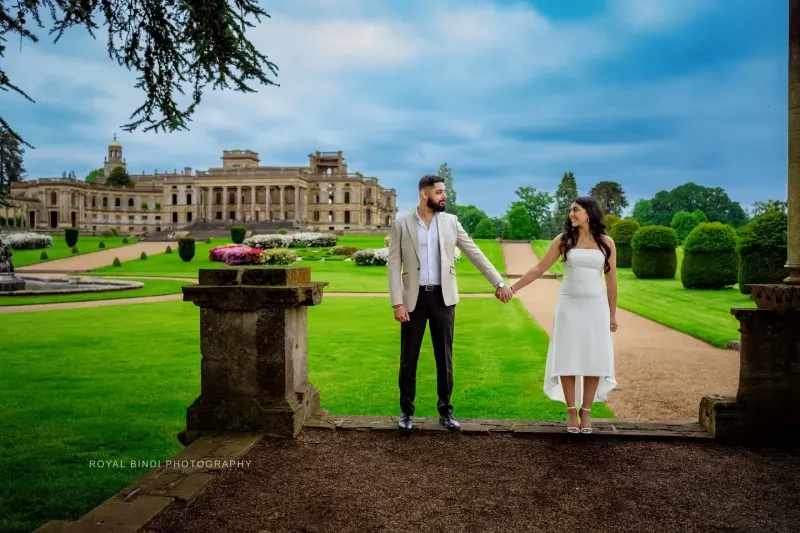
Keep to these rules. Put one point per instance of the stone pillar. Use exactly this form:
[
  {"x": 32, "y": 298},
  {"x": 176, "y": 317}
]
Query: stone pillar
[
  {"x": 209, "y": 203},
  {"x": 793, "y": 197},
  {"x": 268, "y": 217},
  {"x": 296, "y": 203},
  {"x": 225, "y": 204},
  {"x": 252, "y": 202},
  {"x": 282, "y": 214},
  {"x": 239, "y": 202},
  {"x": 254, "y": 347}
]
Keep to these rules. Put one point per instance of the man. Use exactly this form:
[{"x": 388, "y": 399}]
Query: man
[{"x": 422, "y": 284}]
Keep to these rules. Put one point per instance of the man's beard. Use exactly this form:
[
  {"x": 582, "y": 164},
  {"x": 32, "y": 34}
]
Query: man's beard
[{"x": 438, "y": 207}]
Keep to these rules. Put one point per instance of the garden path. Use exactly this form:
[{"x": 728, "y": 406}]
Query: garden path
[
  {"x": 101, "y": 258},
  {"x": 661, "y": 373}
]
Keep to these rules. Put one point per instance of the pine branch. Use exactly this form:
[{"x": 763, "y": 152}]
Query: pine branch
[{"x": 173, "y": 44}]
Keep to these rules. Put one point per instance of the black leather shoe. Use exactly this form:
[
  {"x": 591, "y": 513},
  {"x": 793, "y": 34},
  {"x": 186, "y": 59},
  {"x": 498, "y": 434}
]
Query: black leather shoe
[
  {"x": 449, "y": 422},
  {"x": 406, "y": 423}
]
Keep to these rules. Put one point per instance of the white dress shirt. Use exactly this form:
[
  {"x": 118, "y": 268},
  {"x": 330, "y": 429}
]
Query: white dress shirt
[{"x": 430, "y": 271}]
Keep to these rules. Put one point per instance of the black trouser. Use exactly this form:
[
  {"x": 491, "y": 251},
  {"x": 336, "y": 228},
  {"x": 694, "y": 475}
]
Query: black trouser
[{"x": 430, "y": 307}]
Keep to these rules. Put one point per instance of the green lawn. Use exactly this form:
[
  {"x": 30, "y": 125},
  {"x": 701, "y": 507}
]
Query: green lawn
[
  {"x": 152, "y": 287},
  {"x": 74, "y": 394},
  {"x": 60, "y": 249},
  {"x": 540, "y": 248},
  {"x": 342, "y": 276},
  {"x": 702, "y": 314}
]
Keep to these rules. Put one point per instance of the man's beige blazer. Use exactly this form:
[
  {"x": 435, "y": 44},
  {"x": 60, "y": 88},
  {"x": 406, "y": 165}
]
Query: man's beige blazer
[{"x": 404, "y": 263}]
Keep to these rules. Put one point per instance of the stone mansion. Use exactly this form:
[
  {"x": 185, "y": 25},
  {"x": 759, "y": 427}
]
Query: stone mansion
[{"x": 322, "y": 196}]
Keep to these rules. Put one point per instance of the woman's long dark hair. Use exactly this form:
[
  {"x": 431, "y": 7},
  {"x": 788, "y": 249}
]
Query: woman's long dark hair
[{"x": 569, "y": 238}]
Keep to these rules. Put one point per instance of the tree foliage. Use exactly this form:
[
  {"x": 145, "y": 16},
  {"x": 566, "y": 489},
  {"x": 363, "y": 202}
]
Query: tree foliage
[
  {"x": 447, "y": 175},
  {"x": 761, "y": 208},
  {"x": 170, "y": 43},
  {"x": 520, "y": 225},
  {"x": 643, "y": 212},
  {"x": 536, "y": 204},
  {"x": 119, "y": 177},
  {"x": 470, "y": 216},
  {"x": 92, "y": 176},
  {"x": 683, "y": 222},
  {"x": 610, "y": 196},
  {"x": 11, "y": 163},
  {"x": 567, "y": 191},
  {"x": 714, "y": 202}
]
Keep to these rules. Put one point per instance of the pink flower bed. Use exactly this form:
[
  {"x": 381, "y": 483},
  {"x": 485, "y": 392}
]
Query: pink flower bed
[{"x": 236, "y": 254}]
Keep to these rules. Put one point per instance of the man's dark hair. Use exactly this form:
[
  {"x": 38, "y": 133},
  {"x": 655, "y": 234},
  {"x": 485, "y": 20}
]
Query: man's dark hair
[{"x": 429, "y": 180}]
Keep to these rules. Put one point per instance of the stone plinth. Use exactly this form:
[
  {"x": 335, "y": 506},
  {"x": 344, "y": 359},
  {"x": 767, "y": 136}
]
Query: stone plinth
[
  {"x": 767, "y": 404},
  {"x": 254, "y": 346}
]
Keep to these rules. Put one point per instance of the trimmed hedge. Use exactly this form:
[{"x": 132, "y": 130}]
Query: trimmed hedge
[
  {"x": 238, "y": 234},
  {"x": 344, "y": 250},
  {"x": 71, "y": 236},
  {"x": 762, "y": 250},
  {"x": 611, "y": 220},
  {"x": 186, "y": 248},
  {"x": 710, "y": 260},
  {"x": 622, "y": 233},
  {"x": 654, "y": 254}
]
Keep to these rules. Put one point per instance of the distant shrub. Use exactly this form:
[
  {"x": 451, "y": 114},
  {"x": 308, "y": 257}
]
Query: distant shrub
[
  {"x": 168, "y": 250},
  {"x": 28, "y": 241},
  {"x": 44, "y": 256},
  {"x": 485, "y": 229},
  {"x": 143, "y": 256},
  {"x": 75, "y": 250},
  {"x": 344, "y": 250},
  {"x": 116, "y": 262},
  {"x": 709, "y": 258},
  {"x": 762, "y": 250},
  {"x": 186, "y": 248},
  {"x": 101, "y": 244},
  {"x": 107, "y": 233},
  {"x": 282, "y": 231},
  {"x": 124, "y": 240},
  {"x": 654, "y": 254},
  {"x": 237, "y": 234},
  {"x": 279, "y": 256},
  {"x": 71, "y": 236},
  {"x": 371, "y": 257},
  {"x": 610, "y": 220},
  {"x": 622, "y": 233}
]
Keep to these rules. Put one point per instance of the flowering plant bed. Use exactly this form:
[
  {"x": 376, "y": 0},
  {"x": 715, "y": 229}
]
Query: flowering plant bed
[
  {"x": 27, "y": 241},
  {"x": 237, "y": 254},
  {"x": 292, "y": 240}
]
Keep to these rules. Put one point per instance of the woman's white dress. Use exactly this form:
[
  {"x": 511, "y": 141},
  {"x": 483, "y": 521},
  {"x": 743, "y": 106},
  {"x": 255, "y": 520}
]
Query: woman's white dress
[{"x": 581, "y": 344}]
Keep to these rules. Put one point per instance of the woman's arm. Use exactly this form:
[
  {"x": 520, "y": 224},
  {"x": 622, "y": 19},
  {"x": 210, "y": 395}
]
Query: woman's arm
[
  {"x": 611, "y": 277},
  {"x": 541, "y": 267}
]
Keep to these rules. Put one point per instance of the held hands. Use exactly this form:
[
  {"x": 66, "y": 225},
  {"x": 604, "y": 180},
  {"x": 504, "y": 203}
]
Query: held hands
[
  {"x": 504, "y": 294},
  {"x": 400, "y": 313}
]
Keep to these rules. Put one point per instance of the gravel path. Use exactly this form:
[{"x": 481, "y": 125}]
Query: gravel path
[
  {"x": 101, "y": 258},
  {"x": 661, "y": 373}
]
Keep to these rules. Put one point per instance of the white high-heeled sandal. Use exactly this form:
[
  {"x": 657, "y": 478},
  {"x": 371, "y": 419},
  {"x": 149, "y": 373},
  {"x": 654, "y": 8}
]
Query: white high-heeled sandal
[
  {"x": 586, "y": 430},
  {"x": 573, "y": 429}
]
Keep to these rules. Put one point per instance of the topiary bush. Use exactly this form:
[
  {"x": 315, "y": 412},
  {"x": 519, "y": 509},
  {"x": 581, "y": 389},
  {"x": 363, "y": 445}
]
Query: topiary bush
[
  {"x": 124, "y": 240},
  {"x": 101, "y": 244},
  {"x": 186, "y": 248},
  {"x": 279, "y": 256},
  {"x": 709, "y": 258},
  {"x": 282, "y": 231},
  {"x": 143, "y": 256},
  {"x": 169, "y": 250},
  {"x": 116, "y": 262},
  {"x": 71, "y": 236},
  {"x": 622, "y": 233},
  {"x": 43, "y": 257},
  {"x": 344, "y": 250},
  {"x": 762, "y": 250},
  {"x": 654, "y": 254},
  {"x": 75, "y": 250},
  {"x": 610, "y": 220},
  {"x": 238, "y": 234},
  {"x": 107, "y": 233}
]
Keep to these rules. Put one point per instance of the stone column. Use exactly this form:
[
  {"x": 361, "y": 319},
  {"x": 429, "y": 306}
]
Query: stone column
[
  {"x": 767, "y": 405},
  {"x": 239, "y": 202},
  {"x": 254, "y": 347},
  {"x": 793, "y": 198},
  {"x": 209, "y": 203},
  {"x": 296, "y": 203},
  {"x": 268, "y": 217},
  {"x": 225, "y": 204},
  {"x": 282, "y": 214},
  {"x": 252, "y": 202}
]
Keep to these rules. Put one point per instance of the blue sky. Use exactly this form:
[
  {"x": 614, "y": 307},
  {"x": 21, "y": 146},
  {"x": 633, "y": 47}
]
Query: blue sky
[{"x": 650, "y": 93}]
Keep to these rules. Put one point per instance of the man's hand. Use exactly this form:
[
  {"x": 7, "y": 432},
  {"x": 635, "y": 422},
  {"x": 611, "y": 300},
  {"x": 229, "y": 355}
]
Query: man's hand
[
  {"x": 504, "y": 294},
  {"x": 400, "y": 313}
]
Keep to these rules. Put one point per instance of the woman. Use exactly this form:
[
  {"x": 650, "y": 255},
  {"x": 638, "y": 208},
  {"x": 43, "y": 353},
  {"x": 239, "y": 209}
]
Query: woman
[{"x": 580, "y": 345}]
